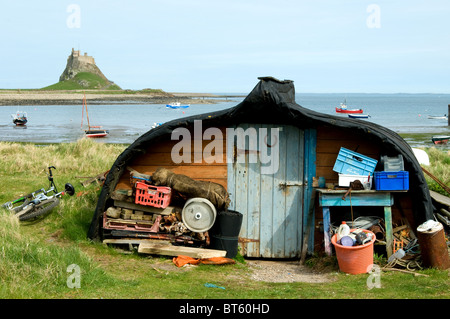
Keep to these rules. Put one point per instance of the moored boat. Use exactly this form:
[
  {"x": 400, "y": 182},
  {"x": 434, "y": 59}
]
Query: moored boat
[
  {"x": 359, "y": 116},
  {"x": 177, "y": 105},
  {"x": 96, "y": 133},
  {"x": 349, "y": 111},
  {"x": 440, "y": 139},
  {"x": 92, "y": 131},
  {"x": 433, "y": 117},
  {"x": 20, "y": 118},
  {"x": 342, "y": 108}
]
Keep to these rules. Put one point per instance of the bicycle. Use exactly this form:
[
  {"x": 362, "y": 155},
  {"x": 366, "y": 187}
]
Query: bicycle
[{"x": 39, "y": 202}]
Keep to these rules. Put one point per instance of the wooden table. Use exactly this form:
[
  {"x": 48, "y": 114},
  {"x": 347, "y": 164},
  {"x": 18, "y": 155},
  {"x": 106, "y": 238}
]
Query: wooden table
[{"x": 332, "y": 198}]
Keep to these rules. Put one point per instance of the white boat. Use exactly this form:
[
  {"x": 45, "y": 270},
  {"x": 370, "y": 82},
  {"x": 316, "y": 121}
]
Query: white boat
[
  {"x": 445, "y": 117},
  {"x": 177, "y": 105}
]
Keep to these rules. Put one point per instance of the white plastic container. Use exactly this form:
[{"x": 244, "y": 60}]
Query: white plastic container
[
  {"x": 343, "y": 230},
  {"x": 345, "y": 180}
]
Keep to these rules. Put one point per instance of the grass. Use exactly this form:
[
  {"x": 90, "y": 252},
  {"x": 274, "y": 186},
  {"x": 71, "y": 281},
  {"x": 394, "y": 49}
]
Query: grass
[
  {"x": 35, "y": 256},
  {"x": 439, "y": 167},
  {"x": 83, "y": 80}
]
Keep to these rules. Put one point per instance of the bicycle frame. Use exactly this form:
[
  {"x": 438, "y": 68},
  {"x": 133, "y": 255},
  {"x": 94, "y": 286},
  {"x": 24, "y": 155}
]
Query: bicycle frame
[{"x": 39, "y": 195}]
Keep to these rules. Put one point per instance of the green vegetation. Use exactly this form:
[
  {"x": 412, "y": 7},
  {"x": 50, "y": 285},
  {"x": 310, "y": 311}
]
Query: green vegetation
[
  {"x": 440, "y": 168},
  {"x": 34, "y": 256},
  {"x": 83, "y": 80}
]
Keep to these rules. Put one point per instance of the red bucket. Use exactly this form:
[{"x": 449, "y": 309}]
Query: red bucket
[{"x": 354, "y": 259}]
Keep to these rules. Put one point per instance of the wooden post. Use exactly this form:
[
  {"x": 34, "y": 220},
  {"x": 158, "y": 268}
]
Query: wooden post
[{"x": 448, "y": 115}]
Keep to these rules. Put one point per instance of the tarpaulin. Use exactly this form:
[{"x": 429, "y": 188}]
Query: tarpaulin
[{"x": 181, "y": 260}]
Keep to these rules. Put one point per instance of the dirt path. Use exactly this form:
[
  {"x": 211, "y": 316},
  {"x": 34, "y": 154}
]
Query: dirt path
[{"x": 286, "y": 271}]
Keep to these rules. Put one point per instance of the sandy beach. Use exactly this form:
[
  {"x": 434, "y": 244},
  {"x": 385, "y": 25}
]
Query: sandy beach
[{"x": 35, "y": 97}]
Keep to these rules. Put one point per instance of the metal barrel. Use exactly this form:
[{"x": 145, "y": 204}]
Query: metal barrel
[{"x": 433, "y": 246}]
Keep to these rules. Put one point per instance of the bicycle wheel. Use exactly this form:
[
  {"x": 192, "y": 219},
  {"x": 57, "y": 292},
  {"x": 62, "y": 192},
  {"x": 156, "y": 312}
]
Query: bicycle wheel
[{"x": 40, "y": 209}]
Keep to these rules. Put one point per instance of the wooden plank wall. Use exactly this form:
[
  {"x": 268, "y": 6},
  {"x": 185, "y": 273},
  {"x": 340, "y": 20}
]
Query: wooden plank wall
[
  {"x": 159, "y": 155},
  {"x": 329, "y": 142}
]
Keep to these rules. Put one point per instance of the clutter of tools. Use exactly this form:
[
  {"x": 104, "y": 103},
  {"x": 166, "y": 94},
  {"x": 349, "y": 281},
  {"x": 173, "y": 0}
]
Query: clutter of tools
[
  {"x": 428, "y": 246},
  {"x": 165, "y": 206}
]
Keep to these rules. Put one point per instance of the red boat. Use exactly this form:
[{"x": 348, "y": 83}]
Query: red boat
[
  {"x": 341, "y": 110},
  {"x": 440, "y": 139}
]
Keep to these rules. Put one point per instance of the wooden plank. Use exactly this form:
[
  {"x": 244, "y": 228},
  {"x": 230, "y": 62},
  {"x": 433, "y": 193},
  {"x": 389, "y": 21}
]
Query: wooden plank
[
  {"x": 279, "y": 196},
  {"x": 149, "y": 209},
  {"x": 356, "y": 199},
  {"x": 294, "y": 194},
  {"x": 134, "y": 241},
  {"x": 253, "y": 206},
  {"x": 444, "y": 200},
  {"x": 389, "y": 232},
  {"x": 170, "y": 250},
  {"x": 194, "y": 172},
  {"x": 266, "y": 210},
  {"x": 241, "y": 193},
  {"x": 310, "y": 170},
  {"x": 231, "y": 176},
  {"x": 326, "y": 230},
  {"x": 165, "y": 159}
]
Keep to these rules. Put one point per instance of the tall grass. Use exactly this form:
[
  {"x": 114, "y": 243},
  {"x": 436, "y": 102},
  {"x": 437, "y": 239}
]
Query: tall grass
[
  {"x": 83, "y": 157},
  {"x": 439, "y": 167},
  {"x": 30, "y": 268}
]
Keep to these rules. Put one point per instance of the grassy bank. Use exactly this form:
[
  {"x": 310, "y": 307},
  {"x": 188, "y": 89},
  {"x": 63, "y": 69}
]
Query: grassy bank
[{"x": 35, "y": 256}]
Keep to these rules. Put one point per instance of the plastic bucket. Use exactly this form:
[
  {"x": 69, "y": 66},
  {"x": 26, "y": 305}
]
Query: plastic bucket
[
  {"x": 354, "y": 259},
  {"x": 225, "y": 232}
]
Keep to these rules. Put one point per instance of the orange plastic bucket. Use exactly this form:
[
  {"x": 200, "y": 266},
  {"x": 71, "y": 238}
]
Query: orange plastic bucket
[{"x": 354, "y": 259}]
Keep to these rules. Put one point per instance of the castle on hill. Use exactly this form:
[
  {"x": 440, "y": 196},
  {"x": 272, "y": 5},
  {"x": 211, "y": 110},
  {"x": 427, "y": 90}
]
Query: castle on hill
[
  {"x": 82, "y": 58},
  {"x": 76, "y": 63}
]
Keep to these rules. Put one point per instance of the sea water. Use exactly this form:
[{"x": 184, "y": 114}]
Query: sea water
[{"x": 402, "y": 113}]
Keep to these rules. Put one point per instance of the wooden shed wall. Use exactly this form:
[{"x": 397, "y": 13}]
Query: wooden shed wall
[
  {"x": 329, "y": 141},
  {"x": 159, "y": 155}
]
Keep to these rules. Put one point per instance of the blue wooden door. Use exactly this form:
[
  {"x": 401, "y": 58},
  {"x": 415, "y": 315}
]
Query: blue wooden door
[{"x": 266, "y": 184}]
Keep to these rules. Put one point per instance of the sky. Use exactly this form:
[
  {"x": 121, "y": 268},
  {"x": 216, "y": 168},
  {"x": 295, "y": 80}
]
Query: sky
[{"x": 208, "y": 46}]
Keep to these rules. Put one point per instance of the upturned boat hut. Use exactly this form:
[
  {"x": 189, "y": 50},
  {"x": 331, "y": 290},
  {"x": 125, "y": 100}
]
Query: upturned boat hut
[{"x": 266, "y": 153}]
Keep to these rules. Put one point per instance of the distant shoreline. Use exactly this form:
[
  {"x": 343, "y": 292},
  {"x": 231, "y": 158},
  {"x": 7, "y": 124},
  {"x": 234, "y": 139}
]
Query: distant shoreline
[{"x": 37, "y": 97}]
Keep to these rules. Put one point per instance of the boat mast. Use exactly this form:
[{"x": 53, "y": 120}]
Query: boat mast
[{"x": 87, "y": 114}]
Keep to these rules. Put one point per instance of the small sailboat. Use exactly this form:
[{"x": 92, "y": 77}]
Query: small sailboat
[
  {"x": 92, "y": 131},
  {"x": 20, "y": 118}
]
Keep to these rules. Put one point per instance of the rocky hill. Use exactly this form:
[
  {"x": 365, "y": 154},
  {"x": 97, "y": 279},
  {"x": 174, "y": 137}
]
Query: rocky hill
[{"x": 81, "y": 72}]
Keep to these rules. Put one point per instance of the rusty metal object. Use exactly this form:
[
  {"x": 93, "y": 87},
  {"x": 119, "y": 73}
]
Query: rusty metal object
[
  {"x": 433, "y": 246},
  {"x": 379, "y": 233}
]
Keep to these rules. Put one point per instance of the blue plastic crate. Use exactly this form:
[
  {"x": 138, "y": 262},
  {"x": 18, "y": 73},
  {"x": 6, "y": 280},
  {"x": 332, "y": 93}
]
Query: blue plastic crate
[
  {"x": 352, "y": 163},
  {"x": 392, "y": 181}
]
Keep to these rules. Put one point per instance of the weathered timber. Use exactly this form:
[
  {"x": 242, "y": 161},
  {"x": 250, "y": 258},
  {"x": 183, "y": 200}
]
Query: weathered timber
[
  {"x": 148, "y": 209},
  {"x": 170, "y": 250}
]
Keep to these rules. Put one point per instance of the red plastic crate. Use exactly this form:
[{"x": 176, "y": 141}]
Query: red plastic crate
[{"x": 149, "y": 195}]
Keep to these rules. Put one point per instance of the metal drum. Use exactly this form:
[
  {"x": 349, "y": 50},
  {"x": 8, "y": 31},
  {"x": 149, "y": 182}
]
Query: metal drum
[
  {"x": 198, "y": 214},
  {"x": 433, "y": 246}
]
